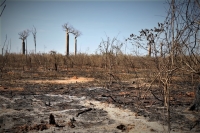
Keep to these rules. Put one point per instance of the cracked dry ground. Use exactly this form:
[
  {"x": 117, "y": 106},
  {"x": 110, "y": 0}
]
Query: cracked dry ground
[{"x": 81, "y": 104}]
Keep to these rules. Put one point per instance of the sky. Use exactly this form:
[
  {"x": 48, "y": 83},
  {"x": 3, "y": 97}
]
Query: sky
[{"x": 96, "y": 19}]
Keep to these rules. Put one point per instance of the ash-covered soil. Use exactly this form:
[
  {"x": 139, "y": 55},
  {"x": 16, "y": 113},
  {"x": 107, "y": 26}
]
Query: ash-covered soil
[{"x": 86, "y": 105}]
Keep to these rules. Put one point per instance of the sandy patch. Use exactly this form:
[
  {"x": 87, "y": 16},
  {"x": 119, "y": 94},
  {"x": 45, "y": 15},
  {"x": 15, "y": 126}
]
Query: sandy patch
[
  {"x": 133, "y": 123},
  {"x": 63, "y": 81}
]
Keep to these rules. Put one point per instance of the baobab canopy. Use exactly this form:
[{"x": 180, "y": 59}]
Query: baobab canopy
[{"x": 70, "y": 29}]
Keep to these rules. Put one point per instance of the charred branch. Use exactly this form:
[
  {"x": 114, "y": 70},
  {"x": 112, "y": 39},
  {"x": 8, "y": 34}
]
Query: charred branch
[{"x": 84, "y": 111}]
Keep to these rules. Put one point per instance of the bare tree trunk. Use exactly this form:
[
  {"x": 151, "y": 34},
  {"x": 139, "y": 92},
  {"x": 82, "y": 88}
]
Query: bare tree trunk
[
  {"x": 168, "y": 110},
  {"x": 161, "y": 50},
  {"x": 172, "y": 24},
  {"x": 35, "y": 45},
  {"x": 26, "y": 49},
  {"x": 165, "y": 95},
  {"x": 167, "y": 100},
  {"x": 67, "y": 44},
  {"x": 23, "y": 47},
  {"x": 75, "y": 49},
  {"x": 149, "y": 54}
]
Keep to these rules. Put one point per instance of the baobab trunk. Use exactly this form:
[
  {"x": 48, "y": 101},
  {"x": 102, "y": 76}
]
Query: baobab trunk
[
  {"x": 35, "y": 47},
  {"x": 75, "y": 49},
  {"x": 23, "y": 47},
  {"x": 35, "y": 42},
  {"x": 67, "y": 44},
  {"x": 149, "y": 54},
  {"x": 161, "y": 50},
  {"x": 26, "y": 47}
]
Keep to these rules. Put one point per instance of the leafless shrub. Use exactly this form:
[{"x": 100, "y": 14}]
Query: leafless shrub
[{"x": 109, "y": 50}]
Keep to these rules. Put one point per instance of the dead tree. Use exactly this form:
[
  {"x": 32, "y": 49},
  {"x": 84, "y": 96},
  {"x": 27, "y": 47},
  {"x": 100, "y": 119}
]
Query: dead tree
[
  {"x": 4, "y": 45},
  {"x": 76, "y": 34},
  {"x": 23, "y": 36},
  {"x": 68, "y": 29},
  {"x": 34, "y": 31}
]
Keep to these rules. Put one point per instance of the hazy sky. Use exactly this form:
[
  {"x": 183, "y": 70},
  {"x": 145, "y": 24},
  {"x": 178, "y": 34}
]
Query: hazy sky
[{"x": 95, "y": 19}]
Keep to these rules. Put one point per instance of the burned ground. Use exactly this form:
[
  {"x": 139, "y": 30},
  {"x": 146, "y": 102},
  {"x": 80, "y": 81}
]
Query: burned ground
[{"x": 90, "y": 104}]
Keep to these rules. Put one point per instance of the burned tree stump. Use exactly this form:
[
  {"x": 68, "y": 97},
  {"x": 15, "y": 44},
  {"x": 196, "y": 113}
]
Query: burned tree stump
[
  {"x": 196, "y": 104},
  {"x": 121, "y": 127},
  {"x": 52, "y": 119}
]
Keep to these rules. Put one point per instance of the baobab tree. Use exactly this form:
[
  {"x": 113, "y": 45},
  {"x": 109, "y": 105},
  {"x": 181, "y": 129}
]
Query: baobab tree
[
  {"x": 23, "y": 36},
  {"x": 68, "y": 29},
  {"x": 76, "y": 34},
  {"x": 34, "y": 31}
]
